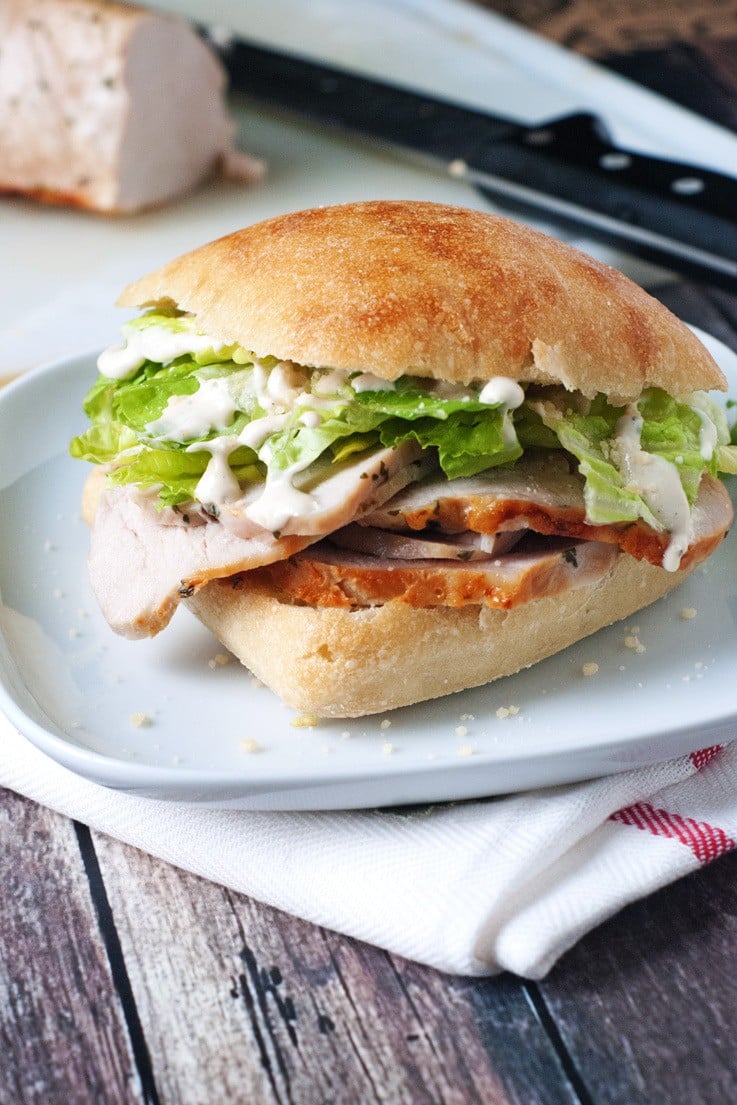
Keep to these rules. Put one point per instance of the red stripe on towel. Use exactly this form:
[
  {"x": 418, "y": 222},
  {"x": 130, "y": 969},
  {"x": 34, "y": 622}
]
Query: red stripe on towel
[
  {"x": 705, "y": 841},
  {"x": 705, "y": 755}
]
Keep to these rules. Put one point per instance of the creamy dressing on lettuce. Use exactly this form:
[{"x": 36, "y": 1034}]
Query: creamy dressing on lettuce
[
  {"x": 211, "y": 407},
  {"x": 218, "y": 484},
  {"x": 708, "y": 435},
  {"x": 152, "y": 343},
  {"x": 288, "y": 416},
  {"x": 507, "y": 395},
  {"x": 659, "y": 484}
]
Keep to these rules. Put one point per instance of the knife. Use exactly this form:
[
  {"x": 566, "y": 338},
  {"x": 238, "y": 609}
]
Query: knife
[{"x": 566, "y": 169}]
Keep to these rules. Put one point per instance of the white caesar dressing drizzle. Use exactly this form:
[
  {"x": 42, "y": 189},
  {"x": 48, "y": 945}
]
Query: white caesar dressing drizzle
[
  {"x": 330, "y": 382},
  {"x": 211, "y": 407},
  {"x": 659, "y": 484},
  {"x": 507, "y": 395},
  {"x": 708, "y": 434},
  {"x": 152, "y": 343},
  {"x": 366, "y": 381},
  {"x": 501, "y": 391},
  {"x": 218, "y": 483},
  {"x": 255, "y": 433},
  {"x": 280, "y": 500},
  {"x": 277, "y": 388}
]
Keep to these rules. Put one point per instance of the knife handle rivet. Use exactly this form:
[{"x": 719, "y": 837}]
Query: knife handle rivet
[
  {"x": 688, "y": 186},
  {"x": 458, "y": 167},
  {"x": 615, "y": 161},
  {"x": 542, "y": 137}
]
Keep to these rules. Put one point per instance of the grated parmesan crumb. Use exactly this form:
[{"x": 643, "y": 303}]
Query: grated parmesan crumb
[
  {"x": 688, "y": 612},
  {"x": 304, "y": 721},
  {"x": 590, "y": 669},
  {"x": 385, "y": 724},
  {"x": 387, "y": 748},
  {"x": 466, "y": 750},
  {"x": 461, "y": 731},
  {"x": 219, "y": 660},
  {"x": 249, "y": 744},
  {"x": 503, "y": 712},
  {"x": 467, "y": 717},
  {"x": 345, "y": 735},
  {"x": 634, "y": 643},
  {"x": 140, "y": 720}
]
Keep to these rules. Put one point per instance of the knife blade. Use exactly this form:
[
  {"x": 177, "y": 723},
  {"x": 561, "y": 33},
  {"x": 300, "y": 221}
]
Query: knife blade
[{"x": 566, "y": 169}]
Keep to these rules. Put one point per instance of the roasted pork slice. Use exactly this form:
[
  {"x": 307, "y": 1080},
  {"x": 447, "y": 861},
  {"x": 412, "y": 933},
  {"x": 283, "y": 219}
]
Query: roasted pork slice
[
  {"x": 537, "y": 488},
  {"x": 326, "y": 496},
  {"x": 325, "y": 575},
  {"x": 141, "y": 570},
  {"x": 167, "y": 555},
  {"x": 548, "y": 499},
  {"x": 106, "y": 106},
  {"x": 409, "y": 546}
]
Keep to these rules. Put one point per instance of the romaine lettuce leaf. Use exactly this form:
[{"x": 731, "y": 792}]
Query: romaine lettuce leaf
[
  {"x": 671, "y": 429},
  {"x": 470, "y": 436},
  {"x": 177, "y": 473},
  {"x": 467, "y": 441}
]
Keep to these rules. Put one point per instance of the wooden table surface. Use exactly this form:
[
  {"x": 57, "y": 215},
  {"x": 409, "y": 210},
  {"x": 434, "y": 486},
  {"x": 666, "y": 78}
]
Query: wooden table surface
[{"x": 125, "y": 980}]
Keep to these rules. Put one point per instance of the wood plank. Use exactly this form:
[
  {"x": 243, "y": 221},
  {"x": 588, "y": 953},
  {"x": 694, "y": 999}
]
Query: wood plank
[
  {"x": 62, "y": 1032},
  {"x": 271, "y": 1009},
  {"x": 647, "y": 1004}
]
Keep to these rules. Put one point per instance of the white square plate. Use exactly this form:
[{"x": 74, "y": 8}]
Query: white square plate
[{"x": 73, "y": 688}]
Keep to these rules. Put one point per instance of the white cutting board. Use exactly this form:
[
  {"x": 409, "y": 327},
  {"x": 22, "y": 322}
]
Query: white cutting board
[{"x": 62, "y": 269}]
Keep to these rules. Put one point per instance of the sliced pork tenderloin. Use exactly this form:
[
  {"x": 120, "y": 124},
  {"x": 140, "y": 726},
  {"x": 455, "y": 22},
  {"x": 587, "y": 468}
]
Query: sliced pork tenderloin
[
  {"x": 106, "y": 106},
  {"x": 547, "y": 498},
  {"x": 328, "y": 576},
  {"x": 167, "y": 555}
]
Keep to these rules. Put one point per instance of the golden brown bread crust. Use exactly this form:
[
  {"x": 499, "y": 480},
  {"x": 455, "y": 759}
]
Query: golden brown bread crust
[
  {"x": 346, "y": 663},
  {"x": 431, "y": 290}
]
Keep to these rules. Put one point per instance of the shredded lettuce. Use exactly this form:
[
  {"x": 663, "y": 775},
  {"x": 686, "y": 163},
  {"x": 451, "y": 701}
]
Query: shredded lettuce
[
  {"x": 671, "y": 429},
  {"x": 467, "y": 436},
  {"x": 470, "y": 436}
]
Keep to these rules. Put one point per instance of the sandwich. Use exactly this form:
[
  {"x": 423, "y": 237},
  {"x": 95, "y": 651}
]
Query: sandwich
[{"x": 386, "y": 451}]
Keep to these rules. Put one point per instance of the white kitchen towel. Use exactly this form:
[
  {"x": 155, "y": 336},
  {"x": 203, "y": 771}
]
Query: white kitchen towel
[{"x": 471, "y": 888}]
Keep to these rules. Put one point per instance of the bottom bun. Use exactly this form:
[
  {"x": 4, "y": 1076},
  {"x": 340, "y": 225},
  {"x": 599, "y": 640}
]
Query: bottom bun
[{"x": 346, "y": 663}]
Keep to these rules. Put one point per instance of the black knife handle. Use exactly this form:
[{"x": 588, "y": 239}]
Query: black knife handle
[
  {"x": 432, "y": 128},
  {"x": 567, "y": 169},
  {"x": 583, "y": 140},
  {"x": 682, "y": 216}
]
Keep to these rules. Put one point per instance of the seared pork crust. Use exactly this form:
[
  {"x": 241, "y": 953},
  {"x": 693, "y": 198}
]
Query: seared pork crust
[{"x": 350, "y": 662}]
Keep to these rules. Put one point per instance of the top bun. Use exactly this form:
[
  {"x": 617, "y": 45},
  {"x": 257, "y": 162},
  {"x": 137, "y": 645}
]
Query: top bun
[{"x": 427, "y": 289}]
